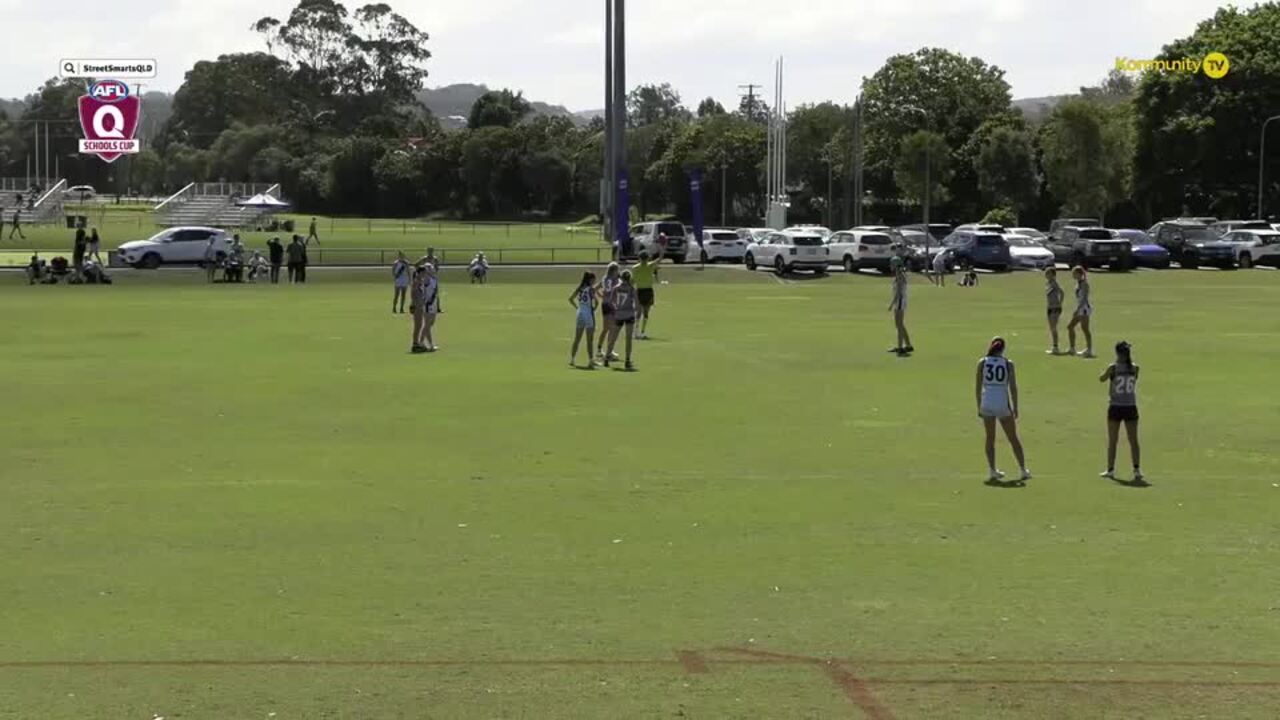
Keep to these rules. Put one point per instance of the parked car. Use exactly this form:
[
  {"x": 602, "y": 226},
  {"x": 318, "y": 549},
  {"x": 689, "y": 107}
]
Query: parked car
[
  {"x": 980, "y": 250},
  {"x": 1030, "y": 232},
  {"x": 789, "y": 250},
  {"x": 1144, "y": 252},
  {"x": 821, "y": 231},
  {"x": 1222, "y": 227},
  {"x": 1255, "y": 247},
  {"x": 174, "y": 245},
  {"x": 937, "y": 231},
  {"x": 717, "y": 244},
  {"x": 872, "y": 228},
  {"x": 983, "y": 228},
  {"x": 750, "y": 235},
  {"x": 1091, "y": 247},
  {"x": 80, "y": 192},
  {"x": 858, "y": 249},
  {"x": 1028, "y": 254},
  {"x": 1192, "y": 244},
  {"x": 916, "y": 246},
  {"x": 1056, "y": 226},
  {"x": 644, "y": 238}
]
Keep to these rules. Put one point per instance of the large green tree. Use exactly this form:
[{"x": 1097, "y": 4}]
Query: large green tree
[
  {"x": 498, "y": 108},
  {"x": 936, "y": 90},
  {"x": 1198, "y": 138},
  {"x": 1088, "y": 147},
  {"x": 1006, "y": 168},
  {"x": 923, "y": 163},
  {"x": 246, "y": 88},
  {"x": 652, "y": 104}
]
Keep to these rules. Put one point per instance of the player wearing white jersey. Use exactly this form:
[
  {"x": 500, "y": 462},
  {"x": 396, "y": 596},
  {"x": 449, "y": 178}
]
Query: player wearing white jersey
[
  {"x": 996, "y": 394},
  {"x": 1084, "y": 311}
]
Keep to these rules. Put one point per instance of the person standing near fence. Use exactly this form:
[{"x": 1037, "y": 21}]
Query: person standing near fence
[
  {"x": 297, "y": 252},
  {"x": 306, "y": 259},
  {"x": 95, "y": 244},
  {"x": 400, "y": 277},
  {"x": 77, "y": 250},
  {"x": 276, "y": 253},
  {"x": 313, "y": 235}
]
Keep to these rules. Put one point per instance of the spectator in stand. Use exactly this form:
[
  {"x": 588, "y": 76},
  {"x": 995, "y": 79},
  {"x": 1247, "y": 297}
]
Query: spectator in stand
[{"x": 276, "y": 252}]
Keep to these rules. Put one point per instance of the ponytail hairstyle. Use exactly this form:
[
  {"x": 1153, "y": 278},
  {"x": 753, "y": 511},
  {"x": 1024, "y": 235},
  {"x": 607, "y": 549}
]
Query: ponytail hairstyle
[
  {"x": 1124, "y": 353},
  {"x": 1080, "y": 273},
  {"x": 996, "y": 348}
]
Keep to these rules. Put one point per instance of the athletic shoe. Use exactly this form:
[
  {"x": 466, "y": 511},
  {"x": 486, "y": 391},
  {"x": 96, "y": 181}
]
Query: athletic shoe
[
  {"x": 996, "y": 476},
  {"x": 1026, "y": 475},
  {"x": 629, "y": 366},
  {"x": 417, "y": 349},
  {"x": 1054, "y": 351},
  {"x": 614, "y": 356},
  {"x": 908, "y": 349},
  {"x": 1088, "y": 354},
  {"x": 1072, "y": 351},
  {"x": 573, "y": 363},
  {"x": 1137, "y": 475},
  {"x": 591, "y": 365},
  {"x": 1108, "y": 474}
]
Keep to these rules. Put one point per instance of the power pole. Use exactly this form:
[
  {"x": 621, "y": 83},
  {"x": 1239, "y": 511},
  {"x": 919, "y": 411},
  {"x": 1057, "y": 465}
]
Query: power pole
[{"x": 751, "y": 98}]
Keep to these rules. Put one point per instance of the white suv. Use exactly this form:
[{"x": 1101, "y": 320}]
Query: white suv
[
  {"x": 644, "y": 238},
  {"x": 857, "y": 249},
  {"x": 173, "y": 245},
  {"x": 789, "y": 250},
  {"x": 1255, "y": 247},
  {"x": 717, "y": 244}
]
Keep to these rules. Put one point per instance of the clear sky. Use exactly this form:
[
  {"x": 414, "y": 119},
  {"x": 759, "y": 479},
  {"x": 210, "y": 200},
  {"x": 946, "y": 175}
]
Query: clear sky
[{"x": 553, "y": 49}]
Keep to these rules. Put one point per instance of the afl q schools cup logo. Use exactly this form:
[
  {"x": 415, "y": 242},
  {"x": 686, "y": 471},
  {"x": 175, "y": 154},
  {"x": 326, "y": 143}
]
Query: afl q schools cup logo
[{"x": 109, "y": 117}]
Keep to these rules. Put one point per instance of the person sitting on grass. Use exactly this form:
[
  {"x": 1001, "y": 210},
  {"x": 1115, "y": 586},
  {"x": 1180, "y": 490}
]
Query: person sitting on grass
[
  {"x": 35, "y": 269},
  {"x": 479, "y": 269}
]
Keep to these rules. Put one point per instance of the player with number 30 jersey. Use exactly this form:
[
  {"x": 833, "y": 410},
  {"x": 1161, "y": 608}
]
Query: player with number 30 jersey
[{"x": 996, "y": 393}]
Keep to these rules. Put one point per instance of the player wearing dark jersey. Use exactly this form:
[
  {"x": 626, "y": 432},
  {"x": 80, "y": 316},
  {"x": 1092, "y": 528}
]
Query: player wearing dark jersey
[{"x": 1122, "y": 379}]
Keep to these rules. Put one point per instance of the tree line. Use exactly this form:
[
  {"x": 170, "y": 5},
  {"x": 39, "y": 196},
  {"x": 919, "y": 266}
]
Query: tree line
[{"x": 328, "y": 110}]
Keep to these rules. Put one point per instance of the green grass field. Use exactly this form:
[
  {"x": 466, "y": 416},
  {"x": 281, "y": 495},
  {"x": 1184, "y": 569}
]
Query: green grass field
[
  {"x": 252, "y": 502},
  {"x": 345, "y": 240}
]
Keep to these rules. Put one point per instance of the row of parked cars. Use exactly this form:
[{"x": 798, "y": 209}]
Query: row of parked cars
[{"x": 1189, "y": 242}]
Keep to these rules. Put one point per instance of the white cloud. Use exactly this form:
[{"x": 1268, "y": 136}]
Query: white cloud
[{"x": 552, "y": 49}]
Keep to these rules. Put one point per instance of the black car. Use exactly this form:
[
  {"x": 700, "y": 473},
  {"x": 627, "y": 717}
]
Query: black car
[
  {"x": 1091, "y": 247},
  {"x": 1192, "y": 244}
]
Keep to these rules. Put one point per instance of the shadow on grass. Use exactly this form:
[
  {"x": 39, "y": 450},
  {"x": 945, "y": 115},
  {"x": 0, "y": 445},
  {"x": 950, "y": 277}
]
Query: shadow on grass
[
  {"x": 1005, "y": 484},
  {"x": 1131, "y": 483}
]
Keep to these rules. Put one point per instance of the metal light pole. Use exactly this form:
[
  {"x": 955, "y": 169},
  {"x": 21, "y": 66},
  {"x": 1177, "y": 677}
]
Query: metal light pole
[
  {"x": 606, "y": 184},
  {"x": 1262, "y": 149}
]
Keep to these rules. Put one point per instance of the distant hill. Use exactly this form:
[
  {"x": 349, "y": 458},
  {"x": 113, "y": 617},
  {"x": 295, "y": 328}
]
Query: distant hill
[
  {"x": 1037, "y": 108},
  {"x": 452, "y": 104}
]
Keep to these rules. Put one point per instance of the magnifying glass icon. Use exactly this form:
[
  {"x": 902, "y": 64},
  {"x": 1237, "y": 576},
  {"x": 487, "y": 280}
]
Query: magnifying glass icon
[{"x": 69, "y": 68}]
